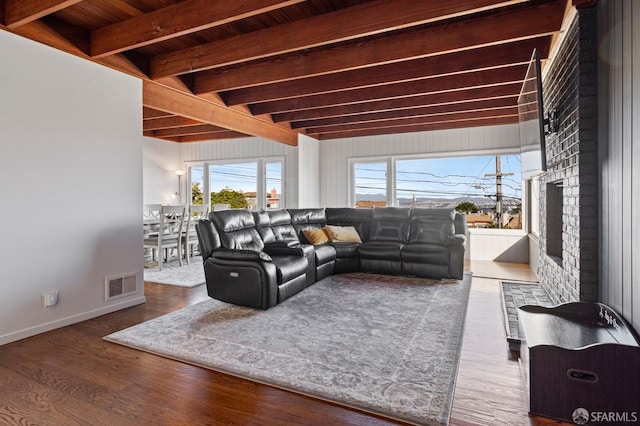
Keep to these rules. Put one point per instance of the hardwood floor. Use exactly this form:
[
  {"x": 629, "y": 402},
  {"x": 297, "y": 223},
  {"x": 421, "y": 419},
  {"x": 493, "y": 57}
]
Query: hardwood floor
[{"x": 71, "y": 376}]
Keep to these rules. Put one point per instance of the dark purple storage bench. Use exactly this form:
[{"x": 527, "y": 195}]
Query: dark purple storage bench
[{"x": 580, "y": 356}]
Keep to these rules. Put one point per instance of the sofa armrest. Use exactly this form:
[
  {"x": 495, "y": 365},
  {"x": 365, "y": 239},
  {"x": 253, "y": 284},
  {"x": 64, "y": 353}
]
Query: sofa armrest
[
  {"x": 297, "y": 250},
  {"x": 244, "y": 255},
  {"x": 456, "y": 240},
  {"x": 283, "y": 243},
  {"x": 301, "y": 250},
  {"x": 208, "y": 238}
]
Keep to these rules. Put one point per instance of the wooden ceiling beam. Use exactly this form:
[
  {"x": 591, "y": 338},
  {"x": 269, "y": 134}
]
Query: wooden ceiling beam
[
  {"x": 172, "y": 122},
  {"x": 43, "y": 32},
  {"x": 461, "y": 81},
  {"x": 484, "y": 57},
  {"x": 511, "y": 25},
  {"x": 419, "y": 111},
  {"x": 162, "y": 98},
  {"x": 338, "y": 26},
  {"x": 444, "y": 125},
  {"x": 172, "y": 21},
  {"x": 149, "y": 113},
  {"x": 411, "y": 121},
  {"x": 20, "y": 12},
  {"x": 436, "y": 99},
  {"x": 229, "y": 134},
  {"x": 189, "y": 130}
]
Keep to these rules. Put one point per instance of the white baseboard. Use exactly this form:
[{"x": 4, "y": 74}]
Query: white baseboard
[{"x": 63, "y": 322}]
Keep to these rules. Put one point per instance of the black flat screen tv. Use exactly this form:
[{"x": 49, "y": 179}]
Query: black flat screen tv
[{"x": 531, "y": 121}]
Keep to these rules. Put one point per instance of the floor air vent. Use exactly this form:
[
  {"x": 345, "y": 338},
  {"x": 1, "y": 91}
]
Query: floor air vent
[{"x": 120, "y": 286}]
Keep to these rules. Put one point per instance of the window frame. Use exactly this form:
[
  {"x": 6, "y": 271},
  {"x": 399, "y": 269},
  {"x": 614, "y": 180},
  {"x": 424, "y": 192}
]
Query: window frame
[
  {"x": 390, "y": 182},
  {"x": 391, "y": 185},
  {"x": 261, "y": 177}
]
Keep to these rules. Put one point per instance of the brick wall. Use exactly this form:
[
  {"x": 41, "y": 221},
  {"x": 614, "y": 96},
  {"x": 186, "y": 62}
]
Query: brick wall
[{"x": 570, "y": 88}]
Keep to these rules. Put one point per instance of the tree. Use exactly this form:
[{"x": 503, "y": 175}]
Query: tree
[
  {"x": 517, "y": 209},
  {"x": 196, "y": 194},
  {"x": 235, "y": 199},
  {"x": 467, "y": 207}
]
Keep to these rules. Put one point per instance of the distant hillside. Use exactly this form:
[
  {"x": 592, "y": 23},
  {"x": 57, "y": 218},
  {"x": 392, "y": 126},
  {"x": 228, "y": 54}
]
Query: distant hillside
[
  {"x": 481, "y": 202},
  {"x": 370, "y": 197}
]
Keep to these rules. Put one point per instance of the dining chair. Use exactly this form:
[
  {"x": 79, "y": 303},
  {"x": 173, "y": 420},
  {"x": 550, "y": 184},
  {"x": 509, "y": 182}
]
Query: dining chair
[
  {"x": 151, "y": 212},
  {"x": 169, "y": 234},
  {"x": 151, "y": 218},
  {"x": 189, "y": 236}
]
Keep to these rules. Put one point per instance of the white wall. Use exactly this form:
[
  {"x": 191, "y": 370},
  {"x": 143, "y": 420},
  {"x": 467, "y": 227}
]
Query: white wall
[
  {"x": 161, "y": 159},
  {"x": 308, "y": 172},
  {"x": 335, "y": 154},
  {"x": 70, "y": 160},
  {"x": 619, "y": 156},
  {"x": 244, "y": 148},
  {"x": 500, "y": 245}
]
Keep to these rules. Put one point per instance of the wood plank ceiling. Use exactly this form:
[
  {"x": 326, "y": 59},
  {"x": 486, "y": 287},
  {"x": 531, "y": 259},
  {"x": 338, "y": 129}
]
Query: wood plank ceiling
[{"x": 325, "y": 68}]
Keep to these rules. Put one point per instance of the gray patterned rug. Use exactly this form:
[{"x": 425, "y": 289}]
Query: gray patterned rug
[
  {"x": 173, "y": 274},
  {"x": 383, "y": 344}
]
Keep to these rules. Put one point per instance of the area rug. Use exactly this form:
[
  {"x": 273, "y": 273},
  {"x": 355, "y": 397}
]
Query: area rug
[
  {"x": 386, "y": 345},
  {"x": 173, "y": 274}
]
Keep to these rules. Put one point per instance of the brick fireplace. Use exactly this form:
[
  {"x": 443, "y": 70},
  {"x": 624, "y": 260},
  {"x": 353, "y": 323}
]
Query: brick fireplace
[{"x": 568, "y": 268}]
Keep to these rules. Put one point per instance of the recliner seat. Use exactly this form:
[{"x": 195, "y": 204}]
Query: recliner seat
[
  {"x": 389, "y": 232},
  {"x": 242, "y": 262},
  {"x": 325, "y": 255}
]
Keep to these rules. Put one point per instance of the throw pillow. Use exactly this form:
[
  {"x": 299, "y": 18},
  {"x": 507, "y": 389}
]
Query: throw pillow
[
  {"x": 342, "y": 234},
  {"x": 316, "y": 236}
]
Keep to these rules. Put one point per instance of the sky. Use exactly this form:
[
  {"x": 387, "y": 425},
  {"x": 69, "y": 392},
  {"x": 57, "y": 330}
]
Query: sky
[
  {"x": 443, "y": 177},
  {"x": 239, "y": 176}
]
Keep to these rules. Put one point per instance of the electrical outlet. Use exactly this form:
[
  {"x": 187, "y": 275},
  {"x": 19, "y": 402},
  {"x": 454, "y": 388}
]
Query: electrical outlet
[{"x": 50, "y": 298}]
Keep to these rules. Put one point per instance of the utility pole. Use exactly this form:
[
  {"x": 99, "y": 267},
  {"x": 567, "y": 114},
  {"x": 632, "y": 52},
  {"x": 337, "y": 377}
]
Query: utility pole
[{"x": 498, "y": 174}]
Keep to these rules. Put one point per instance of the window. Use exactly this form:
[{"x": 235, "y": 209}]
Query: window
[
  {"x": 370, "y": 184},
  {"x": 490, "y": 186},
  {"x": 197, "y": 185},
  {"x": 273, "y": 184},
  {"x": 234, "y": 184},
  {"x": 252, "y": 184}
]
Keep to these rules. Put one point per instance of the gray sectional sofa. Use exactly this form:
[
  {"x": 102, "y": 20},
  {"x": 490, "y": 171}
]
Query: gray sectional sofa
[{"x": 259, "y": 259}]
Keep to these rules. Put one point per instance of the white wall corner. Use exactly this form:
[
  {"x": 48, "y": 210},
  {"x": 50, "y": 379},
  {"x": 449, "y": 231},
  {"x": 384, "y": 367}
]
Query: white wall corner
[{"x": 308, "y": 172}]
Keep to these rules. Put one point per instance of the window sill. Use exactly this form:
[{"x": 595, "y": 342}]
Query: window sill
[{"x": 496, "y": 231}]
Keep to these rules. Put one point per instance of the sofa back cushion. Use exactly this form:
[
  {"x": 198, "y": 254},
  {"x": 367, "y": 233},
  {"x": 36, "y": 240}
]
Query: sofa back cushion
[
  {"x": 263, "y": 226},
  {"x": 237, "y": 229},
  {"x": 390, "y": 224},
  {"x": 431, "y": 226},
  {"x": 360, "y": 219},
  {"x": 281, "y": 225},
  {"x": 247, "y": 239}
]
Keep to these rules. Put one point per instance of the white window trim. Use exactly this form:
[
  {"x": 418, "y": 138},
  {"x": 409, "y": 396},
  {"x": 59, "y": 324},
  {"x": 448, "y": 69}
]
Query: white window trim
[{"x": 390, "y": 195}]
